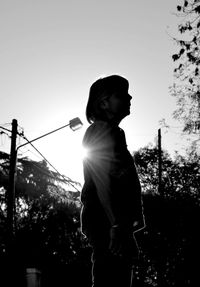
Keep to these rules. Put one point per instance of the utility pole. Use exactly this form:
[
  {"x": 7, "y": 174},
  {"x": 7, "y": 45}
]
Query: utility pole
[
  {"x": 11, "y": 188},
  {"x": 11, "y": 262},
  {"x": 12, "y": 255},
  {"x": 74, "y": 124},
  {"x": 159, "y": 163}
]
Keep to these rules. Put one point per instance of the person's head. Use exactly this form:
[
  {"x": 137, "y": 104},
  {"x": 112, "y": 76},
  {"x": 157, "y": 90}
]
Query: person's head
[{"x": 108, "y": 99}]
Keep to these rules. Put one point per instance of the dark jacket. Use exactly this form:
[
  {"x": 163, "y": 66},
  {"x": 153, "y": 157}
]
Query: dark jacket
[{"x": 109, "y": 167}]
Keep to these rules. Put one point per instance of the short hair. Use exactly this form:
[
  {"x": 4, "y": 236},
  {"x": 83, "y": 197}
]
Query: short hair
[{"x": 100, "y": 89}]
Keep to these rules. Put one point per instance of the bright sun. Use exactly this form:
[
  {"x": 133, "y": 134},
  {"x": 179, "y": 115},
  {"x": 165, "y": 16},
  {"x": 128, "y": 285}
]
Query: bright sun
[
  {"x": 83, "y": 152},
  {"x": 73, "y": 161},
  {"x": 65, "y": 153}
]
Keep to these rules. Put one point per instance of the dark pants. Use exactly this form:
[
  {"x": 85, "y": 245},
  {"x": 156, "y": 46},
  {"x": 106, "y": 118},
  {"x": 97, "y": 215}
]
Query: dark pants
[{"x": 109, "y": 270}]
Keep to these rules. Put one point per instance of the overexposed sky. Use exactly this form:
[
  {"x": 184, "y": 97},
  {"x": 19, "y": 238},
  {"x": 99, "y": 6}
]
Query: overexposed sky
[{"x": 51, "y": 51}]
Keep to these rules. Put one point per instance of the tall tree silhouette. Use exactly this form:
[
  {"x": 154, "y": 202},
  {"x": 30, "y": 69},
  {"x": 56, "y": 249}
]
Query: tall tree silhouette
[{"x": 47, "y": 217}]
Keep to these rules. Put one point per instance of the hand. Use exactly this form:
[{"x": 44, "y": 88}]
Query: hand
[
  {"x": 115, "y": 240},
  {"x": 123, "y": 242}
]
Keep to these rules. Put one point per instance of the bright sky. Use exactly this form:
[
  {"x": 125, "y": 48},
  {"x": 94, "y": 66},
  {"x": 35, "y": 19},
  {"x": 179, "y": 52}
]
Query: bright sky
[{"x": 51, "y": 51}]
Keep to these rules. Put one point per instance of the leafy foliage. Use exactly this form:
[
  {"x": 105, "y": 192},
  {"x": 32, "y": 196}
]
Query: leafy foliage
[
  {"x": 180, "y": 176},
  {"x": 170, "y": 240},
  {"x": 48, "y": 228},
  {"x": 186, "y": 88},
  {"x": 47, "y": 224}
]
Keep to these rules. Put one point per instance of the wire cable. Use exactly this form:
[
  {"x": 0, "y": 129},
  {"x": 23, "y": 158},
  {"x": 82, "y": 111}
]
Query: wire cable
[{"x": 68, "y": 181}]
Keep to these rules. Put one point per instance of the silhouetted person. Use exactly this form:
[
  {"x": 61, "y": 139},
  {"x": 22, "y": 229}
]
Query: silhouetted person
[{"x": 111, "y": 195}]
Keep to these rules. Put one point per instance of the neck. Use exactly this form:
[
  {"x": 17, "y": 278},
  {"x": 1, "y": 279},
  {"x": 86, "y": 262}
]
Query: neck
[{"x": 114, "y": 121}]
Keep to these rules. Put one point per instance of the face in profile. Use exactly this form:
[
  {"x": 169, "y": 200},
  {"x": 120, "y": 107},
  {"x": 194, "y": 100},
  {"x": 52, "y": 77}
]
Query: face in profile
[{"x": 119, "y": 104}]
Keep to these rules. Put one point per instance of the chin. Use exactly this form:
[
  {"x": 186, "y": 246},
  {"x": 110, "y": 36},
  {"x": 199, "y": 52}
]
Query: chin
[
  {"x": 125, "y": 115},
  {"x": 127, "y": 112}
]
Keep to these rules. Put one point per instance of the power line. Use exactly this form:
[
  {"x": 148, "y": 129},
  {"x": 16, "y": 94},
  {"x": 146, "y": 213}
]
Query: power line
[
  {"x": 68, "y": 181},
  {"x": 3, "y": 128},
  {"x": 47, "y": 174}
]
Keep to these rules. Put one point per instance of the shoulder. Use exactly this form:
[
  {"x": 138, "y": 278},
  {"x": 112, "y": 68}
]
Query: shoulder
[
  {"x": 98, "y": 126},
  {"x": 98, "y": 131}
]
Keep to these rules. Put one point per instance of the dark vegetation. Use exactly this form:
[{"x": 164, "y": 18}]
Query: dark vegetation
[{"x": 48, "y": 237}]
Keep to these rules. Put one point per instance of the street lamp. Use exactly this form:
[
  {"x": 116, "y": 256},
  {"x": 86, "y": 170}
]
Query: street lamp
[{"x": 74, "y": 124}]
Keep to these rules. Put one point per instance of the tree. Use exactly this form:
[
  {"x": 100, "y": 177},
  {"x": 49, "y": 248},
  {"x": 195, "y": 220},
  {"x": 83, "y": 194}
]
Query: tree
[
  {"x": 186, "y": 88},
  {"x": 36, "y": 185},
  {"x": 170, "y": 238},
  {"x": 47, "y": 219},
  {"x": 48, "y": 228},
  {"x": 180, "y": 176}
]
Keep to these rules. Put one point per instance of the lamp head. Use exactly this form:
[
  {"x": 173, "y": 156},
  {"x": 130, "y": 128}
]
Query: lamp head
[{"x": 75, "y": 124}]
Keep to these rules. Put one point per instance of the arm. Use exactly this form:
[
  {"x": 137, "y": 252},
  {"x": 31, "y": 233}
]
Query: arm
[{"x": 99, "y": 143}]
